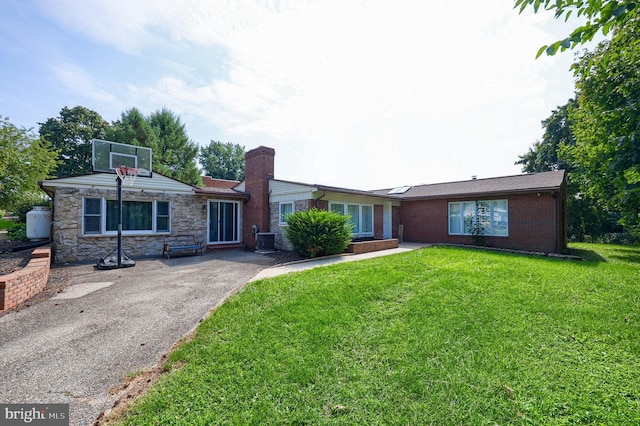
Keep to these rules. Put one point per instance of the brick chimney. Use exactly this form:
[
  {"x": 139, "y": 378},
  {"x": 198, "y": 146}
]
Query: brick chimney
[{"x": 259, "y": 168}]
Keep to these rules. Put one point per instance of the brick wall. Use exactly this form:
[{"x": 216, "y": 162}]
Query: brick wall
[
  {"x": 21, "y": 285},
  {"x": 378, "y": 221},
  {"x": 259, "y": 168},
  {"x": 535, "y": 223}
]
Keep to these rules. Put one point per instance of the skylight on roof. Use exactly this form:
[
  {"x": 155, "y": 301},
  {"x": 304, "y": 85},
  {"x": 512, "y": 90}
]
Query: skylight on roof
[{"x": 399, "y": 190}]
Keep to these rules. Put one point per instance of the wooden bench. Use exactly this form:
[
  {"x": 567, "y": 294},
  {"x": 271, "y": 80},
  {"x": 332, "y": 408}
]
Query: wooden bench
[{"x": 175, "y": 243}]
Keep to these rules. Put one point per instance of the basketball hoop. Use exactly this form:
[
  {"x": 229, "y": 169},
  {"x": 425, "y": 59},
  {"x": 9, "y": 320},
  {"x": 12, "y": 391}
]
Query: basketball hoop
[{"x": 127, "y": 175}]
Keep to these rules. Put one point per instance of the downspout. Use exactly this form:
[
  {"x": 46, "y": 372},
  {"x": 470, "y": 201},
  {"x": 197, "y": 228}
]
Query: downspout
[
  {"x": 324, "y": 193},
  {"x": 555, "y": 221},
  {"x": 53, "y": 211}
]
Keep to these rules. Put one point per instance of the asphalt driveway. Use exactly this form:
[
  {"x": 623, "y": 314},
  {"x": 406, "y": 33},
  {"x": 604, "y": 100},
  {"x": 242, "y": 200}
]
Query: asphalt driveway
[{"x": 77, "y": 345}]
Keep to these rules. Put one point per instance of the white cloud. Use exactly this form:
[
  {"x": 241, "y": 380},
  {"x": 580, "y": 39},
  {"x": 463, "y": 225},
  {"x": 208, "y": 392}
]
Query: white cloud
[{"x": 425, "y": 91}]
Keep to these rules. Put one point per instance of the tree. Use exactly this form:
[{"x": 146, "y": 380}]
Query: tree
[
  {"x": 604, "y": 15},
  {"x": 557, "y": 133},
  {"x": 24, "y": 160},
  {"x": 606, "y": 124},
  {"x": 174, "y": 155},
  {"x": 584, "y": 215},
  {"x": 70, "y": 135},
  {"x": 133, "y": 129},
  {"x": 223, "y": 160}
]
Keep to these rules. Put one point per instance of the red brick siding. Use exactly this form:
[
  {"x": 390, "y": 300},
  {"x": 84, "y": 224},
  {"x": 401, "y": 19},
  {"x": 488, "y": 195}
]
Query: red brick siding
[
  {"x": 321, "y": 204},
  {"x": 259, "y": 168},
  {"x": 535, "y": 223},
  {"x": 21, "y": 285},
  {"x": 395, "y": 221},
  {"x": 377, "y": 220}
]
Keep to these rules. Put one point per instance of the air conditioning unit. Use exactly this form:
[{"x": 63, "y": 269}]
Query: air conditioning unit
[{"x": 265, "y": 242}]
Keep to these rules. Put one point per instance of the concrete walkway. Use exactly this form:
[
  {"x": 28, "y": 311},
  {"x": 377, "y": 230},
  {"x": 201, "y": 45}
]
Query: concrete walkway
[{"x": 84, "y": 341}]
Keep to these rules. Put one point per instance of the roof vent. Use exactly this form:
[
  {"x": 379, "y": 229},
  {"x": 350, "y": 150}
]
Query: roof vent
[
  {"x": 474, "y": 177},
  {"x": 399, "y": 190}
]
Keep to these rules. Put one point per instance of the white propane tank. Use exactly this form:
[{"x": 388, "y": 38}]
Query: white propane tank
[{"x": 39, "y": 223}]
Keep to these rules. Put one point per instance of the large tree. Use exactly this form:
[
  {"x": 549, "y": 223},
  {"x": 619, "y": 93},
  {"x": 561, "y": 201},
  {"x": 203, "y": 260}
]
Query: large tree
[
  {"x": 584, "y": 214},
  {"x": 25, "y": 159},
  {"x": 70, "y": 134},
  {"x": 600, "y": 15},
  {"x": 174, "y": 155},
  {"x": 223, "y": 160},
  {"x": 606, "y": 124},
  {"x": 133, "y": 128},
  {"x": 543, "y": 156}
]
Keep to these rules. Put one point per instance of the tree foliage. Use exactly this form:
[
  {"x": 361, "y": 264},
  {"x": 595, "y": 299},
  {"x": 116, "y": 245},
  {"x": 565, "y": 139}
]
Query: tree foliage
[
  {"x": 133, "y": 129},
  {"x": 24, "y": 160},
  {"x": 174, "y": 155},
  {"x": 600, "y": 15},
  {"x": 543, "y": 156},
  {"x": 606, "y": 124},
  {"x": 318, "y": 232},
  {"x": 596, "y": 138},
  {"x": 70, "y": 134},
  {"x": 223, "y": 160}
]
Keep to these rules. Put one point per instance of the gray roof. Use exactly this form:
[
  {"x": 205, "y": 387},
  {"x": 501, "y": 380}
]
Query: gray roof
[{"x": 543, "y": 181}]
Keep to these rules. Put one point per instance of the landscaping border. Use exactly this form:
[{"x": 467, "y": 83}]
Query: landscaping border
[{"x": 23, "y": 284}]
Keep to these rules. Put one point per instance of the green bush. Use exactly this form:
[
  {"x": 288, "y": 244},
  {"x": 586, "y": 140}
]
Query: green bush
[
  {"x": 318, "y": 232},
  {"x": 26, "y": 204},
  {"x": 18, "y": 232}
]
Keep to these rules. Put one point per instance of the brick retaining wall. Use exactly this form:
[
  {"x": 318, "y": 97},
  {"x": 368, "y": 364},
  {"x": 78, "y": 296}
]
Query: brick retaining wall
[
  {"x": 21, "y": 285},
  {"x": 373, "y": 245}
]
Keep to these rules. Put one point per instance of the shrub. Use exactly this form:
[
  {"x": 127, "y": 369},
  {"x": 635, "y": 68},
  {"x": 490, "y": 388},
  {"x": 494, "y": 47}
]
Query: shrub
[
  {"x": 318, "y": 232},
  {"x": 26, "y": 204},
  {"x": 17, "y": 232}
]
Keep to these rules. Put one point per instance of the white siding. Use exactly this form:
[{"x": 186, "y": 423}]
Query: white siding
[
  {"x": 157, "y": 183},
  {"x": 287, "y": 191}
]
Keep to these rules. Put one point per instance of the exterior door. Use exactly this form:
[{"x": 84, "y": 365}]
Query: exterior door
[
  {"x": 387, "y": 212},
  {"x": 224, "y": 222}
]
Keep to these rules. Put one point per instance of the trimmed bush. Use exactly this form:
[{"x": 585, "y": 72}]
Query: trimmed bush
[{"x": 318, "y": 232}]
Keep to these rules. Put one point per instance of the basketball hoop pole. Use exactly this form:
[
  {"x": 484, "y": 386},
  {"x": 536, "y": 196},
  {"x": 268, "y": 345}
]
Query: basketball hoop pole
[{"x": 119, "y": 180}]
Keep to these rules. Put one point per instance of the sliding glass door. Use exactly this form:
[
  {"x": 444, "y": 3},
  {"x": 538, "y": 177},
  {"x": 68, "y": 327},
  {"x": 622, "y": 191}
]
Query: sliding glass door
[{"x": 224, "y": 222}]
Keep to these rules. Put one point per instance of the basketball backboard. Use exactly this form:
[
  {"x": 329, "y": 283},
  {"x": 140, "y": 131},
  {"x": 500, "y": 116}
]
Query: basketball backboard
[{"x": 106, "y": 156}]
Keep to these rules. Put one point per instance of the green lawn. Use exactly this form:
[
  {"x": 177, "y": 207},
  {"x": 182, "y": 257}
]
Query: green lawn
[
  {"x": 6, "y": 224},
  {"x": 444, "y": 336}
]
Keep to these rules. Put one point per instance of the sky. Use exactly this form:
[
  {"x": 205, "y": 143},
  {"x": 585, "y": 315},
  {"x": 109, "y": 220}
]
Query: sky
[{"x": 357, "y": 94}]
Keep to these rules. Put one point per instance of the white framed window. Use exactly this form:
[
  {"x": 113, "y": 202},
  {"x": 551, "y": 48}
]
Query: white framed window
[
  {"x": 492, "y": 216},
  {"x": 361, "y": 216},
  {"x": 100, "y": 217},
  {"x": 285, "y": 209},
  {"x": 92, "y": 216}
]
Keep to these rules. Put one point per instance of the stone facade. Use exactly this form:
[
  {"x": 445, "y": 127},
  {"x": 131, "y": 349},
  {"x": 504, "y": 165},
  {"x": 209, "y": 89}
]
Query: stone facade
[
  {"x": 70, "y": 244},
  {"x": 282, "y": 243}
]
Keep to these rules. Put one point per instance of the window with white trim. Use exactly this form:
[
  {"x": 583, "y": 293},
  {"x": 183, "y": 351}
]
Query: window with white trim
[
  {"x": 361, "y": 216},
  {"x": 492, "y": 216},
  {"x": 100, "y": 217},
  {"x": 285, "y": 209}
]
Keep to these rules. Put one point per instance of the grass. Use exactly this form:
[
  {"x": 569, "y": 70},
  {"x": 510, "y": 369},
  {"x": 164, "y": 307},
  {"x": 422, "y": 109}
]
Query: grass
[
  {"x": 6, "y": 224},
  {"x": 444, "y": 336}
]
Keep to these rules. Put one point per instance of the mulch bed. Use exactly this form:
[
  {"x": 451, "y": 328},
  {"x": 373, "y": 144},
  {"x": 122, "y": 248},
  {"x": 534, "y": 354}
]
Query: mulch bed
[{"x": 59, "y": 277}]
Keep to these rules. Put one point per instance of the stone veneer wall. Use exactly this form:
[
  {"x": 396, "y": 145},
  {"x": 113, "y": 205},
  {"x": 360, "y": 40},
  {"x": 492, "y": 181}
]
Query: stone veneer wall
[
  {"x": 282, "y": 243},
  {"x": 70, "y": 245}
]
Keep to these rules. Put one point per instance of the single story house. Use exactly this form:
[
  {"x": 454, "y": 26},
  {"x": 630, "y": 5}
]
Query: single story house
[{"x": 525, "y": 212}]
